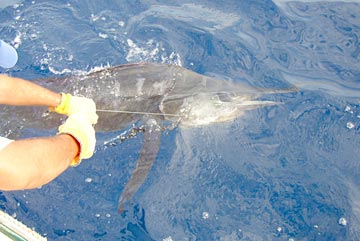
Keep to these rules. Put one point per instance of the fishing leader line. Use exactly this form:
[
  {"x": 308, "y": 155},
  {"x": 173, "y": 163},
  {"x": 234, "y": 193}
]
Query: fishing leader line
[{"x": 135, "y": 112}]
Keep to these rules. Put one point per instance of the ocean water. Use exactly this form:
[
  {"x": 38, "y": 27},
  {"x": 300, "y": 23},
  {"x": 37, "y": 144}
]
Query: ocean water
[{"x": 286, "y": 172}]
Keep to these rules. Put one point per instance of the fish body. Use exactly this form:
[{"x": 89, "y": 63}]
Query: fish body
[{"x": 147, "y": 92}]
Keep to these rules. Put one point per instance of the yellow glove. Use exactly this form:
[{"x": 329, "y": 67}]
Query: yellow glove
[
  {"x": 74, "y": 104},
  {"x": 78, "y": 126}
]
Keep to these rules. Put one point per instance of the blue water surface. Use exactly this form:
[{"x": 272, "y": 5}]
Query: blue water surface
[{"x": 285, "y": 172}]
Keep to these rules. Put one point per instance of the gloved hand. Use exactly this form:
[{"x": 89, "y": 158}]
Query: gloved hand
[
  {"x": 78, "y": 126},
  {"x": 74, "y": 104}
]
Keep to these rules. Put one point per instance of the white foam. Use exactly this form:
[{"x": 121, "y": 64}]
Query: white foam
[
  {"x": 350, "y": 125},
  {"x": 168, "y": 239},
  {"x": 94, "y": 18},
  {"x": 205, "y": 215},
  {"x": 59, "y": 72},
  {"x": 342, "y": 221},
  {"x": 152, "y": 51},
  {"x": 88, "y": 179},
  {"x": 17, "y": 40},
  {"x": 103, "y": 35}
]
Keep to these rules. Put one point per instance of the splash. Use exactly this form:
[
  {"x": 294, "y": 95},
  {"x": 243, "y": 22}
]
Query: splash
[{"x": 151, "y": 51}]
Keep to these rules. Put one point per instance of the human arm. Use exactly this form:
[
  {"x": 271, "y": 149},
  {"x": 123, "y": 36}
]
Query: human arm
[
  {"x": 16, "y": 91},
  {"x": 33, "y": 162},
  {"x": 30, "y": 163}
]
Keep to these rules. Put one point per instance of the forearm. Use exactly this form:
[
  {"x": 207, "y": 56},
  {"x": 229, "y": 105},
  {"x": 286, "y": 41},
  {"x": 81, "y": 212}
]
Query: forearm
[
  {"x": 30, "y": 163},
  {"x": 16, "y": 91}
]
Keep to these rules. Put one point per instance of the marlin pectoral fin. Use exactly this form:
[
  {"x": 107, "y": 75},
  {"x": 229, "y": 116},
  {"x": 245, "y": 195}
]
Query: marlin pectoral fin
[{"x": 147, "y": 157}]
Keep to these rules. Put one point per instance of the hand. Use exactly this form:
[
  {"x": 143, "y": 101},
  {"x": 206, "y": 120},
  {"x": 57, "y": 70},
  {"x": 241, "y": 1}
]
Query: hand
[
  {"x": 74, "y": 104},
  {"x": 78, "y": 126}
]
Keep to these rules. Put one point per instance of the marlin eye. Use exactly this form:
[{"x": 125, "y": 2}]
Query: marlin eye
[{"x": 224, "y": 97}]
